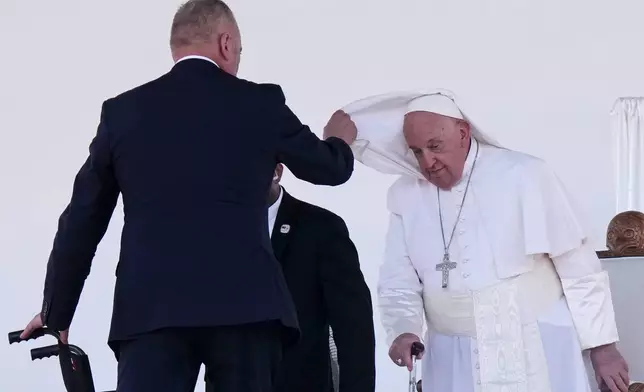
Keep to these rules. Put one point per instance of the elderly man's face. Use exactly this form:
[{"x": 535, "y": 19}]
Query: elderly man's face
[{"x": 440, "y": 144}]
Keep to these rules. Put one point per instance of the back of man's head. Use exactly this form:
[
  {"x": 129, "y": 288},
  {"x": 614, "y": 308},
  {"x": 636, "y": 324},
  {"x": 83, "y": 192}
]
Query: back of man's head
[{"x": 206, "y": 28}]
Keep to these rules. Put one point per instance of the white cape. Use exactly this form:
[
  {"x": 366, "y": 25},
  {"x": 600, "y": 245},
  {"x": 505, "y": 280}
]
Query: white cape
[{"x": 380, "y": 143}]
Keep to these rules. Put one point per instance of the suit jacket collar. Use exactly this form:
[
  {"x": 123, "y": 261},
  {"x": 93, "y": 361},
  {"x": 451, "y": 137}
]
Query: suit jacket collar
[
  {"x": 285, "y": 223},
  {"x": 197, "y": 66},
  {"x": 196, "y": 57}
]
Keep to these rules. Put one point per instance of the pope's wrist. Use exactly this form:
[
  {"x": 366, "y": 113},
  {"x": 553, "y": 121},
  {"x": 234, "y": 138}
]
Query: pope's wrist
[{"x": 604, "y": 347}]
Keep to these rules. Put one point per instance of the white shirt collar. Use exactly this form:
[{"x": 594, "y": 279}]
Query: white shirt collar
[
  {"x": 194, "y": 56},
  {"x": 272, "y": 211},
  {"x": 471, "y": 156}
]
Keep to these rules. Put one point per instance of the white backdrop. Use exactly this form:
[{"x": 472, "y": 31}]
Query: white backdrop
[{"x": 539, "y": 76}]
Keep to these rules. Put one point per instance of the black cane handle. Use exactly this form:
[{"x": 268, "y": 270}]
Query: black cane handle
[
  {"x": 14, "y": 337},
  {"x": 44, "y": 352},
  {"x": 417, "y": 348}
]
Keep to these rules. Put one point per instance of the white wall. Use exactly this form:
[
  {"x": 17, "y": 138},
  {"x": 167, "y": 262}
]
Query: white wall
[
  {"x": 625, "y": 276},
  {"x": 540, "y": 76}
]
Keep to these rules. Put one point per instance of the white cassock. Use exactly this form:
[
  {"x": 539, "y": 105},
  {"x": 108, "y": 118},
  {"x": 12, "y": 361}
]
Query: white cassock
[{"x": 528, "y": 294}]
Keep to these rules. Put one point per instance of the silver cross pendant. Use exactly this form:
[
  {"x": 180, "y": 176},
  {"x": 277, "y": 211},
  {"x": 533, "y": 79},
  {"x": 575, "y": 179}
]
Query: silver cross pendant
[{"x": 445, "y": 267}]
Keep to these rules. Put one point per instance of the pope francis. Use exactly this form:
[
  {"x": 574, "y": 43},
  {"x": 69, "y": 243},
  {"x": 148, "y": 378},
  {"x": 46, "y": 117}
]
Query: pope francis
[{"x": 483, "y": 244}]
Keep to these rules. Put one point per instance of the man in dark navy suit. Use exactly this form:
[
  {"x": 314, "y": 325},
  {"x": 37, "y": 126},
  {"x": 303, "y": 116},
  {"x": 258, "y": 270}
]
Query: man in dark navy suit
[
  {"x": 192, "y": 153},
  {"x": 322, "y": 271}
]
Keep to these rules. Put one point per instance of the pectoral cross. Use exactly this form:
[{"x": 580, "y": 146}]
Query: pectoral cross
[{"x": 445, "y": 267}]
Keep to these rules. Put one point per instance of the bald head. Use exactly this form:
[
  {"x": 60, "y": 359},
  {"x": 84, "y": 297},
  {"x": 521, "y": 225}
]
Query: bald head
[{"x": 207, "y": 28}]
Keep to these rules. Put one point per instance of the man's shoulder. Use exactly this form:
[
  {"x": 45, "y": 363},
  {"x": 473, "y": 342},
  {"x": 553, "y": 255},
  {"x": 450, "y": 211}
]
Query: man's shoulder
[
  {"x": 523, "y": 171},
  {"x": 403, "y": 183},
  {"x": 312, "y": 213},
  {"x": 399, "y": 191},
  {"x": 518, "y": 162},
  {"x": 267, "y": 91},
  {"x": 136, "y": 92}
]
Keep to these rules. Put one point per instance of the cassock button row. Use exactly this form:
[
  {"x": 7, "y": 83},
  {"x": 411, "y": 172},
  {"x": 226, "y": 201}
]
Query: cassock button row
[
  {"x": 476, "y": 351},
  {"x": 477, "y": 366}
]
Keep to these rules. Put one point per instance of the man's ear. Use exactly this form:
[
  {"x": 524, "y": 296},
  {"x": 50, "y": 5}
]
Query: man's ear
[
  {"x": 277, "y": 175},
  {"x": 225, "y": 46},
  {"x": 465, "y": 130}
]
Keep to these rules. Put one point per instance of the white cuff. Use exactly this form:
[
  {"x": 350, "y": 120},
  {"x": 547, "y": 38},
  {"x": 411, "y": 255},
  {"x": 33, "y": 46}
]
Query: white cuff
[
  {"x": 401, "y": 311},
  {"x": 590, "y": 302}
]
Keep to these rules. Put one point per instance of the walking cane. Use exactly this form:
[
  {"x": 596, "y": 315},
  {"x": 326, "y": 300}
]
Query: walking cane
[{"x": 416, "y": 349}]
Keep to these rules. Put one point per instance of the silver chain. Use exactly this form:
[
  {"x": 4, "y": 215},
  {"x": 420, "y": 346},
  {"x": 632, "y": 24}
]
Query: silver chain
[{"x": 440, "y": 214}]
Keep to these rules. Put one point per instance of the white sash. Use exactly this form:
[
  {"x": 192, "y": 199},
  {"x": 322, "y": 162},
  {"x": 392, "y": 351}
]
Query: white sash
[{"x": 509, "y": 356}]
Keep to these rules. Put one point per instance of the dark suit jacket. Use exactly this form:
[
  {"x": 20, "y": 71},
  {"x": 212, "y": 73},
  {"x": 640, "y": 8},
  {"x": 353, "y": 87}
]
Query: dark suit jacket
[
  {"x": 321, "y": 266},
  {"x": 192, "y": 153}
]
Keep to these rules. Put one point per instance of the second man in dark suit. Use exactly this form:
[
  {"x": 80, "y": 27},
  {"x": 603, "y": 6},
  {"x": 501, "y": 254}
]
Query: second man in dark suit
[{"x": 322, "y": 271}]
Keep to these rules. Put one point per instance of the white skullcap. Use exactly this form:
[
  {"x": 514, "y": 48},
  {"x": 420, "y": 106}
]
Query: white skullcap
[{"x": 435, "y": 103}]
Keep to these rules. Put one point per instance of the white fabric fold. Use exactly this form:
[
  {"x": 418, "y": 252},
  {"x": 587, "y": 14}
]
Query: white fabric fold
[
  {"x": 380, "y": 143},
  {"x": 550, "y": 223},
  {"x": 400, "y": 299},
  {"x": 587, "y": 291}
]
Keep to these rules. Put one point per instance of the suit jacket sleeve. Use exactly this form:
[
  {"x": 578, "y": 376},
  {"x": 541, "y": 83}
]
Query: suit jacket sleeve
[
  {"x": 349, "y": 307},
  {"x": 328, "y": 162},
  {"x": 80, "y": 228}
]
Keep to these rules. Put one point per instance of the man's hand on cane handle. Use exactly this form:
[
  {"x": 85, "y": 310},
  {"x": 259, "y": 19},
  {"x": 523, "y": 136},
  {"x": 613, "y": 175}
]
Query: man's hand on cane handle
[{"x": 400, "y": 351}]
